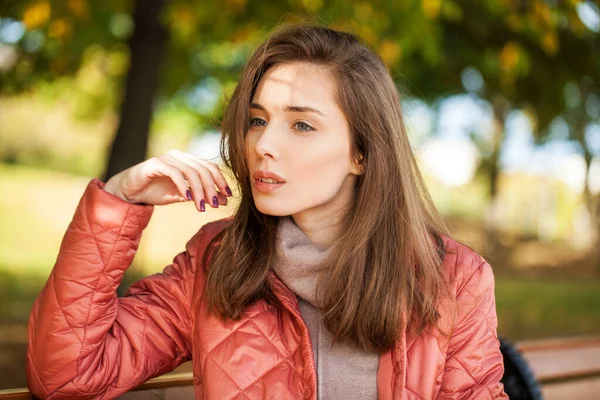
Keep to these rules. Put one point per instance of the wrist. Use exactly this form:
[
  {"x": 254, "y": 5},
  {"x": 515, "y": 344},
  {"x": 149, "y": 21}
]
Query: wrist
[{"x": 112, "y": 188}]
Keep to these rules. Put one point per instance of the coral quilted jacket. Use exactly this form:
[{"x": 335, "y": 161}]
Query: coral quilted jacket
[{"x": 84, "y": 342}]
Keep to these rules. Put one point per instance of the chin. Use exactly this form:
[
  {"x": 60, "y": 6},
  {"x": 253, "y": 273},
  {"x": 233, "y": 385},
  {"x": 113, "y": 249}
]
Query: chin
[
  {"x": 276, "y": 206},
  {"x": 275, "y": 210}
]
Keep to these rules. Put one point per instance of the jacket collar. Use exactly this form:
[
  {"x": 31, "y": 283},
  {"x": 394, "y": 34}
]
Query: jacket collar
[{"x": 391, "y": 374}]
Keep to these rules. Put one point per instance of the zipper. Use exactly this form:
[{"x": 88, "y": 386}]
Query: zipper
[{"x": 293, "y": 310}]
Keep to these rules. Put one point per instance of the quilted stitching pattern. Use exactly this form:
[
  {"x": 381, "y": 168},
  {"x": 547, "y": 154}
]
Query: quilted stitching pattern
[
  {"x": 108, "y": 345},
  {"x": 473, "y": 362},
  {"x": 245, "y": 353}
]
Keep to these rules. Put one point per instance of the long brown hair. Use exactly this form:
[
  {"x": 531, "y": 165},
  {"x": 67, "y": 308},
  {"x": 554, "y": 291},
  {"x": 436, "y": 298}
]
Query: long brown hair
[{"x": 388, "y": 260}]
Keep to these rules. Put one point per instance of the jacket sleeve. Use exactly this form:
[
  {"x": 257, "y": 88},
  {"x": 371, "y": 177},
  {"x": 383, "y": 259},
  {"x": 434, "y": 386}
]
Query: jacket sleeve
[
  {"x": 84, "y": 341},
  {"x": 474, "y": 364}
]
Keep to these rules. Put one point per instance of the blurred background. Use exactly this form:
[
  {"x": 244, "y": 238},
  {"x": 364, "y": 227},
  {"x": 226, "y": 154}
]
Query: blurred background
[{"x": 502, "y": 103}]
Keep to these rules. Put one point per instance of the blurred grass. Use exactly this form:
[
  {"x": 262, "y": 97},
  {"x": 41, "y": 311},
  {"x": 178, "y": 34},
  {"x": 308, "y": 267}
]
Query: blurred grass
[
  {"x": 17, "y": 293},
  {"x": 35, "y": 209},
  {"x": 55, "y": 138},
  {"x": 543, "y": 308}
]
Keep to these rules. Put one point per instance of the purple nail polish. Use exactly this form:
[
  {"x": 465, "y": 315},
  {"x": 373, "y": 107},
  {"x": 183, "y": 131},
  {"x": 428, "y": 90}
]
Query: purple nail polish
[
  {"x": 202, "y": 206},
  {"x": 228, "y": 191},
  {"x": 188, "y": 194},
  {"x": 215, "y": 202}
]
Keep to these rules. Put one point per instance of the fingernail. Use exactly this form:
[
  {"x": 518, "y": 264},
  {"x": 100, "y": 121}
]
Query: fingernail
[
  {"x": 228, "y": 191},
  {"x": 202, "y": 206},
  {"x": 215, "y": 202},
  {"x": 188, "y": 194}
]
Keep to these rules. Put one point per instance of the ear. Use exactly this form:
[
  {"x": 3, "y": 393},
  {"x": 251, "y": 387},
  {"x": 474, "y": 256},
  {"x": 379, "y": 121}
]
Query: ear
[{"x": 358, "y": 166}]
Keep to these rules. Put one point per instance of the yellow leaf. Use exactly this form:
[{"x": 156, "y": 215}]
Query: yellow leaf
[
  {"x": 514, "y": 23},
  {"x": 431, "y": 8},
  {"x": 550, "y": 42},
  {"x": 237, "y": 4},
  {"x": 509, "y": 56},
  {"x": 390, "y": 52},
  {"x": 36, "y": 14},
  {"x": 60, "y": 29},
  {"x": 542, "y": 11},
  {"x": 79, "y": 8},
  {"x": 363, "y": 11},
  {"x": 312, "y": 5}
]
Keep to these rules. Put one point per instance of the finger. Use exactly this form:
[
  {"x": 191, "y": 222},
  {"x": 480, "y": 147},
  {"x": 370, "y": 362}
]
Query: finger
[
  {"x": 222, "y": 197},
  {"x": 216, "y": 172},
  {"x": 192, "y": 177},
  {"x": 210, "y": 192},
  {"x": 164, "y": 169}
]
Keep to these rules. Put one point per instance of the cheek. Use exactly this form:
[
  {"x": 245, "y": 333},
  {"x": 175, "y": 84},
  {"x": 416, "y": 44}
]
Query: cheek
[
  {"x": 322, "y": 163},
  {"x": 318, "y": 173}
]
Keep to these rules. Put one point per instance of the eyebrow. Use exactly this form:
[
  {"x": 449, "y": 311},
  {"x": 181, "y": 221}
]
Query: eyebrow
[{"x": 290, "y": 108}]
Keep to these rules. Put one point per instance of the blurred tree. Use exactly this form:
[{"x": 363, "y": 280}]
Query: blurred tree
[
  {"x": 580, "y": 112},
  {"x": 526, "y": 51},
  {"x": 52, "y": 37},
  {"x": 522, "y": 52},
  {"x": 514, "y": 54},
  {"x": 207, "y": 44}
]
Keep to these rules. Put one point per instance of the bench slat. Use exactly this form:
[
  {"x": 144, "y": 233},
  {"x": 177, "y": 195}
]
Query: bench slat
[
  {"x": 561, "y": 364},
  {"x": 15, "y": 394},
  {"x": 172, "y": 380},
  {"x": 557, "y": 343},
  {"x": 584, "y": 389}
]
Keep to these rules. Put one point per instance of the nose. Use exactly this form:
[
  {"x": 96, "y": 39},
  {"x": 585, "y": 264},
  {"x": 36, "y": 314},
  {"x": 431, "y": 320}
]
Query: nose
[{"x": 266, "y": 145}]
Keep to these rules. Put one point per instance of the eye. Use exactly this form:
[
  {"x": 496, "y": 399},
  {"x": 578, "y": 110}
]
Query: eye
[
  {"x": 256, "y": 122},
  {"x": 303, "y": 127}
]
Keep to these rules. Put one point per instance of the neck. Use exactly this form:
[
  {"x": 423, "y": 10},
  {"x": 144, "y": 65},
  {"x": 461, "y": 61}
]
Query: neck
[
  {"x": 322, "y": 232},
  {"x": 325, "y": 224}
]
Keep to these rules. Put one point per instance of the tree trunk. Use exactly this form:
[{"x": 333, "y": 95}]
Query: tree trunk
[
  {"x": 146, "y": 47},
  {"x": 592, "y": 202},
  {"x": 500, "y": 109},
  {"x": 130, "y": 145}
]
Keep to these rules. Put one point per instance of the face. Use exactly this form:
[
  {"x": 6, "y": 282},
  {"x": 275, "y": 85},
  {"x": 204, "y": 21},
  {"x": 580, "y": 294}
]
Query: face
[{"x": 298, "y": 143}]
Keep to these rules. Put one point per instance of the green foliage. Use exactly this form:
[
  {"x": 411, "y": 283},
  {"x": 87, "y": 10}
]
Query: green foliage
[
  {"x": 526, "y": 51},
  {"x": 58, "y": 36}
]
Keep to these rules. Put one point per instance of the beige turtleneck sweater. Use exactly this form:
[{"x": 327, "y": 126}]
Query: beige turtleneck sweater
[{"x": 343, "y": 371}]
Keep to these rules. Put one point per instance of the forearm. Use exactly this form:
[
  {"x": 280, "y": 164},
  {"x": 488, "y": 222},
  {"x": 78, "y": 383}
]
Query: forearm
[{"x": 76, "y": 309}]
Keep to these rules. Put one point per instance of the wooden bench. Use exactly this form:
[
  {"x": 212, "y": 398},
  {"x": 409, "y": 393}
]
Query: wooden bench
[
  {"x": 566, "y": 368},
  {"x": 172, "y": 386}
]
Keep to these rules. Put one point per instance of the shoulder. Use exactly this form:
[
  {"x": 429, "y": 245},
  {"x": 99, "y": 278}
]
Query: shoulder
[
  {"x": 464, "y": 268},
  {"x": 202, "y": 238},
  {"x": 471, "y": 287},
  {"x": 213, "y": 228}
]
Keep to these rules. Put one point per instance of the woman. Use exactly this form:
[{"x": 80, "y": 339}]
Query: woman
[{"x": 334, "y": 279}]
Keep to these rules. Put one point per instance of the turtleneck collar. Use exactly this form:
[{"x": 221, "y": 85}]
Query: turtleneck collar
[{"x": 298, "y": 261}]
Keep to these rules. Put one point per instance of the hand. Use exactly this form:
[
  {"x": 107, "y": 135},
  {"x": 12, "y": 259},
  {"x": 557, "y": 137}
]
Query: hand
[{"x": 171, "y": 178}]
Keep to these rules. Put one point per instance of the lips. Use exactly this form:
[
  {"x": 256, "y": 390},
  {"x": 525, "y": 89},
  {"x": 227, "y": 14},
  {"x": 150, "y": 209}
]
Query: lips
[
  {"x": 267, "y": 182},
  {"x": 258, "y": 175}
]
